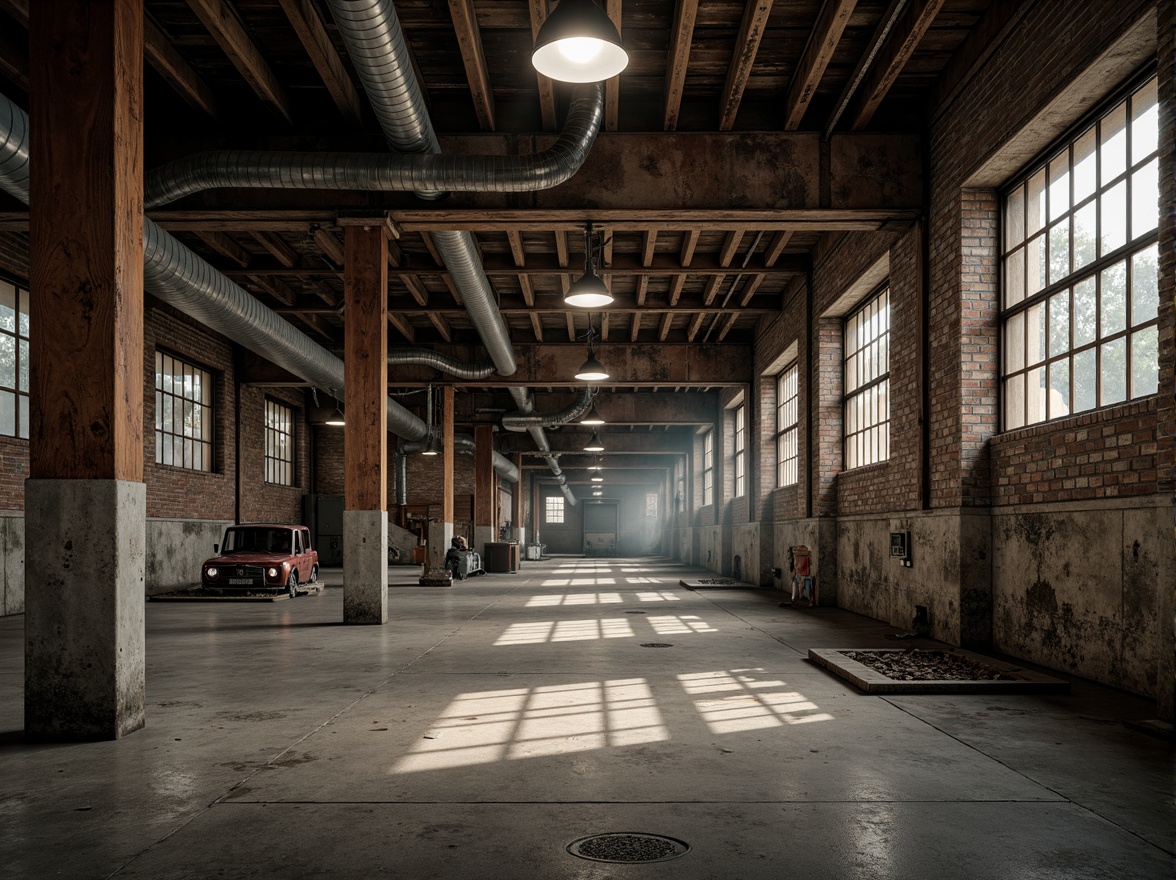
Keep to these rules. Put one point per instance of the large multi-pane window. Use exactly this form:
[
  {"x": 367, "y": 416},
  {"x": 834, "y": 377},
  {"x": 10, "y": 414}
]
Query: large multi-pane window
[
  {"x": 279, "y": 444},
  {"x": 867, "y": 382},
  {"x": 740, "y": 450},
  {"x": 183, "y": 414},
  {"x": 554, "y": 508},
  {"x": 787, "y": 426},
  {"x": 14, "y": 360},
  {"x": 708, "y": 468},
  {"x": 1080, "y": 261}
]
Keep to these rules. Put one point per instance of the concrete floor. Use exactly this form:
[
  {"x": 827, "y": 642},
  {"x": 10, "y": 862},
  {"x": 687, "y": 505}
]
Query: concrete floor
[{"x": 489, "y": 724}]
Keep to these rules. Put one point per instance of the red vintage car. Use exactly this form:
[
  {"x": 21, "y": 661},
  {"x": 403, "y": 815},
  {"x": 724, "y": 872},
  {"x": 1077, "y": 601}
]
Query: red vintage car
[{"x": 255, "y": 557}]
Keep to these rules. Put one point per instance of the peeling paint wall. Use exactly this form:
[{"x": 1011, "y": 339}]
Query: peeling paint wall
[
  {"x": 1078, "y": 587},
  {"x": 175, "y": 549}
]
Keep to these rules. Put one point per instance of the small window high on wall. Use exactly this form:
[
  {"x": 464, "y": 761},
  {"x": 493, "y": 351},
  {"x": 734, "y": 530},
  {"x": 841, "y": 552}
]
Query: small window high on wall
[
  {"x": 14, "y": 360},
  {"x": 867, "y": 382},
  {"x": 1079, "y": 256},
  {"x": 183, "y": 414},
  {"x": 554, "y": 509}
]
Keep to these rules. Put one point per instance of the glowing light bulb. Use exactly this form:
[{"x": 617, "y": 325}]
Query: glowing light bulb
[{"x": 580, "y": 50}]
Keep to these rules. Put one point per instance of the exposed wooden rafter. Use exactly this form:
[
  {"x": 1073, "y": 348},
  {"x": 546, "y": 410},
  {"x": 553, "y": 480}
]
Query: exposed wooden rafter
[
  {"x": 538, "y": 10},
  {"x": 223, "y": 23},
  {"x": 751, "y": 31},
  {"x": 612, "y": 88},
  {"x": 469, "y": 43},
  {"x": 305, "y": 20},
  {"x": 678, "y": 59},
  {"x": 822, "y": 44}
]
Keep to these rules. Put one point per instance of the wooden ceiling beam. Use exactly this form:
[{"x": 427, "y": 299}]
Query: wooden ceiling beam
[
  {"x": 278, "y": 289},
  {"x": 514, "y": 306},
  {"x": 528, "y": 289},
  {"x": 728, "y": 325},
  {"x": 328, "y": 244},
  {"x": 730, "y": 247},
  {"x": 416, "y": 290},
  {"x": 667, "y": 321},
  {"x": 678, "y": 59},
  {"x": 751, "y": 31},
  {"x": 642, "y": 289},
  {"x": 515, "y": 238},
  {"x": 538, "y": 11},
  {"x": 612, "y": 88},
  {"x": 753, "y": 286},
  {"x": 712, "y": 288},
  {"x": 312, "y": 33},
  {"x": 897, "y": 51},
  {"x": 648, "y": 246},
  {"x": 226, "y": 247},
  {"x": 163, "y": 56},
  {"x": 695, "y": 325},
  {"x": 634, "y": 326},
  {"x": 469, "y": 43},
  {"x": 676, "y": 289},
  {"x": 278, "y": 248},
  {"x": 537, "y": 326},
  {"x": 571, "y": 326},
  {"x": 689, "y": 242},
  {"x": 561, "y": 247},
  {"x": 223, "y": 23},
  {"x": 441, "y": 325},
  {"x": 402, "y": 326},
  {"x": 604, "y": 327},
  {"x": 779, "y": 242},
  {"x": 315, "y": 323},
  {"x": 818, "y": 53}
]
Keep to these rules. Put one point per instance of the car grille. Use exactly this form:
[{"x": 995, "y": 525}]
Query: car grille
[{"x": 244, "y": 576}]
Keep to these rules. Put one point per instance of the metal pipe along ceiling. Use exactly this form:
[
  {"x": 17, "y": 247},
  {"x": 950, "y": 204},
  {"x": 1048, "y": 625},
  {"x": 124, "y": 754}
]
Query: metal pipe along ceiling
[
  {"x": 371, "y": 31},
  {"x": 426, "y": 357},
  {"x": 517, "y": 422},
  {"x": 180, "y": 278}
]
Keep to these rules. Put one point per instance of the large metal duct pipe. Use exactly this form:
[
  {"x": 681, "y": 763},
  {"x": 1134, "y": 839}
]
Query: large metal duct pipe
[
  {"x": 517, "y": 422},
  {"x": 180, "y": 278},
  {"x": 426, "y": 357},
  {"x": 386, "y": 172},
  {"x": 375, "y": 42}
]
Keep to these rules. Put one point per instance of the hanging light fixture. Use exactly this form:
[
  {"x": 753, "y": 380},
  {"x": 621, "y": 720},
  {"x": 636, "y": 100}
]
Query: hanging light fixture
[
  {"x": 597, "y": 478},
  {"x": 592, "y": 417},
  {"x": 591, "y": 370},
  {"x": 594, "y": 445},
  {"x": 598, "y": 493},
  {"x": 578, "y": 43},
  {"x": 431, "y": 449},
  {"x": 336, "y": 418},
  {"x": 589, "y": 290}
]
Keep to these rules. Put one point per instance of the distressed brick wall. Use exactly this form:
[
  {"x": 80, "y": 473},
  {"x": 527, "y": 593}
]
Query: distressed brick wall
[{"x": 328, "y": 460}]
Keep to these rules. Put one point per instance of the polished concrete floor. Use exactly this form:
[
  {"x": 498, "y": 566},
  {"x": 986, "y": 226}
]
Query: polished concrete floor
[{"x": 488, "y": 725}]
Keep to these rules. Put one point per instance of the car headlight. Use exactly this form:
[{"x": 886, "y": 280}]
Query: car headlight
[
  {"x": 273, "y": 572},
  {"x": 211, "y": 572}
]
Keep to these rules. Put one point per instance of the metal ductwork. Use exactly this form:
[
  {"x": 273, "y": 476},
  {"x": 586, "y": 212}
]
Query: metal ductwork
[
  {"x": 464, "y": 443},
  {"x": 383, "y": 172},
  {"x": 180, "y": 278},
  {"x": 517, "y": 422},
  {"x": 375, "y": 42},
  {"x": 400, "y": 463},
  {"x": 443, "y": 363}
]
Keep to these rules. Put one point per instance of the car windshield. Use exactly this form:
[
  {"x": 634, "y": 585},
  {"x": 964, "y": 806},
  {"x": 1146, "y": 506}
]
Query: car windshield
[{"x": 257, "y": 540}]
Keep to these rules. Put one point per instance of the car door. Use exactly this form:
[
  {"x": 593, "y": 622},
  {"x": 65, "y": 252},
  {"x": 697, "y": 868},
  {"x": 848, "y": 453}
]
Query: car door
[{"x": 300, "y": 557}]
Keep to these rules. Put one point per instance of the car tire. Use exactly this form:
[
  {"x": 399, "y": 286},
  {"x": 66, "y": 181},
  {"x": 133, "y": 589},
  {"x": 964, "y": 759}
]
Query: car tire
[
  {"x": 313, "y": 575},
  {"x": 292, "y": 584}
]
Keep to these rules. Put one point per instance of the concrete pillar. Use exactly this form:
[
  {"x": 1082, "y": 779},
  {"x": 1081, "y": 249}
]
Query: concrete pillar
[
  {"x": 485, "y": 490},
  {"x": 441, "y": 533},
  {"x": 517, "y": 510},
  {"x": 85, "y": 502},
  {"x": 365, "y": 449}
]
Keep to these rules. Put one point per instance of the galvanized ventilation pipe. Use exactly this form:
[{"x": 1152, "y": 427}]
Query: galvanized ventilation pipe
[
  {"x": 384, "y": 172},
  {"x": 180, "y": 278},
  {"x": 426, "y": 357},
  {"x": 517, "y": 422},
  {"x": 375, "y": 42}
]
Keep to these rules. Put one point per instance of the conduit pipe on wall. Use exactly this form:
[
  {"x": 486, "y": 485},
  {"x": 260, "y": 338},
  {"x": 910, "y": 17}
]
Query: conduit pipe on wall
[
  {"x": 371, "y": 31},
  {"x": 180, "y": 278}
]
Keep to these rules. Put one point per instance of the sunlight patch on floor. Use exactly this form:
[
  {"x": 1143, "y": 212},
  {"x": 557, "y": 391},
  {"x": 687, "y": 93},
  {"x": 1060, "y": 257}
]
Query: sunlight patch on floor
[
  {"x": 480, "y": 728},
  {"x": 536, "y": 633},
  {"x": 750, "y": 702},
  {"x": 674, "y": 624}
]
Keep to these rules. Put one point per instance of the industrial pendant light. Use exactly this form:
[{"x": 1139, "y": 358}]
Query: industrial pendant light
[
  {"x": 594, "y": 445},
  {"x": 589, "y": 290},
  {"x": 431, "y": 448},
  {"x": 592, "y": 418},
  {"x": 578, "y": 43},
  {"x": 597, "y": 479},
  {"x": 336, "y": 418},
  {"x": 591, "y": 370}
]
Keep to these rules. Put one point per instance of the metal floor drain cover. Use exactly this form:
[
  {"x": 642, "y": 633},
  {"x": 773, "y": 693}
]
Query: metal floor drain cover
[
  {"x": 634, "y": 612},
  {"x": 628, "y": 847},
  {"x": 656, "y": 645}
]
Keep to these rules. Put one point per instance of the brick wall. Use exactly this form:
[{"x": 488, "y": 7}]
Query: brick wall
[{"x": 328, "y": 460}]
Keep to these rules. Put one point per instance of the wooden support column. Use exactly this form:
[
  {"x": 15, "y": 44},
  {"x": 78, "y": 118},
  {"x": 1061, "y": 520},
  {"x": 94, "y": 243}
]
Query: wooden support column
[
  {"x": 365, "y": 438},
  {"x": 484, "y": 490},
  {"x": 441, "y": 532},
  {"x": 85, "y": 501}
]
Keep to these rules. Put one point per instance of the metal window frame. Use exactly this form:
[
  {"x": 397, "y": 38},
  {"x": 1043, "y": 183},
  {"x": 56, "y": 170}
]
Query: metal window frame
[
  {"x": 275, "y": 460},
  {"x": 849, "y": 396},
  {"x": 210, "y": 439},
  {"x": 22, "y": 294},
  {"x": 783, "y": 430}
]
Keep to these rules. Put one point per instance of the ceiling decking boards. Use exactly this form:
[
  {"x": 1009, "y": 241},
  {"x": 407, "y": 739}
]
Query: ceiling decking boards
[
  {"x": 678, "y": 59},
  {"x": 822, "y": 44}
]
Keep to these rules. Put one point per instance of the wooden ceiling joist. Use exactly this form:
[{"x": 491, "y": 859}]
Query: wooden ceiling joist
[
  {"x": 277, "y": 248},
  {"x": 328, "y": 244},
  {"x": 537, "y": 326},
  {"x": 678, "y": 59},
  {"x": 689, "y": 242},
  {"x": 612, "y": 88},
  {"x": 695, "y": 325},
  {"x": 469, "y": 42},
  {"x": 223, "y": 23},
  {"x": 779, "y": 242},
  {"x": 538, "y": 10},
  {"x": 822, "y": 44},
  {"x": 751, "y": 31},
  {"x": 162, "y": 55},
  {"x": 441, "y": 325},
  {"x": 402, "y": 326},
  {"x": 226, "y": 247},
  {"x": 634, "y": 326},
  {"x": 893, "y": 57},
  {"x": 667, "y": 321},
  {"x": 308, "y": 25}
]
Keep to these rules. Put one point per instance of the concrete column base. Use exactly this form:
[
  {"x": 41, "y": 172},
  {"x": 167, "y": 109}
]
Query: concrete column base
[
  {"x": 483, "y": 535},
  {"x": 435, "y": 573},
  {"x": 84, "y": 633},
  {"x": 365, "y": 566}
]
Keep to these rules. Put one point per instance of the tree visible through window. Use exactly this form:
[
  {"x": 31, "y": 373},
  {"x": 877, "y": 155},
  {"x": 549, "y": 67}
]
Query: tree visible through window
[
  {"x": 183, "y": 414},
  {"x": 1080, "y": 263}
]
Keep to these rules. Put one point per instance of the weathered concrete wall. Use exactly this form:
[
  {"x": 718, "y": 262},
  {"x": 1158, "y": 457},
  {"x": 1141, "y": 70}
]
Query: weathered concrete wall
[
  {"x": 745, "y": 543},
  {"x": 714, "y": 549},
  {"x": 1079, "y": 587},
  {"x": 175, "y": 549},
  {"x": 12, "y": 592},
  {"x": 820, "y": 536}
]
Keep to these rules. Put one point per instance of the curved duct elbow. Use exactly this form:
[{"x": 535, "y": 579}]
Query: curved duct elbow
[
  {"x": 523, "y": 421},
  {"x": 503, "y": 466},
  {"x": 443, "y": 363},
  {"x": 382, "y": 172}
]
